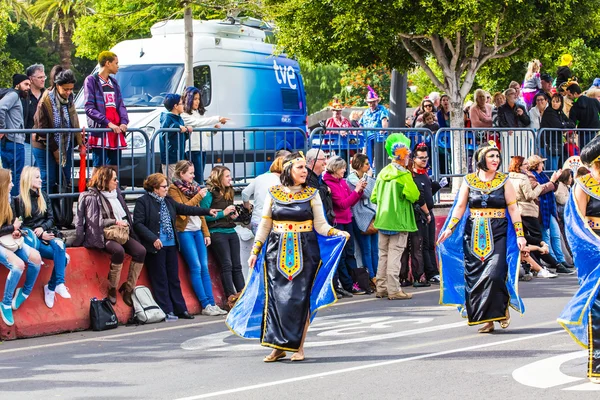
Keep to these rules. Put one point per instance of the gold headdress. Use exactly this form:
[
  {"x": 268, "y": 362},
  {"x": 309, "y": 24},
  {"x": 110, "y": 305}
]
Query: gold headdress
[
  {"x": 295, "y": 160},
  {"x": 484, "y": 151}
]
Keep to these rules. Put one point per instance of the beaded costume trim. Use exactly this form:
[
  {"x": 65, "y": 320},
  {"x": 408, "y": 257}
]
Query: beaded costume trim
[
  {"x": 281, "y": 195},
  {"x": 589, "y": 185},
  {"x": 475, "y": 183}
]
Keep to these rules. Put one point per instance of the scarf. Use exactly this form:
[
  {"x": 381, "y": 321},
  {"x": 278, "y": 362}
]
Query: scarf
[
  {"x": 61, "y": 119},
  {"x": 547, "y": 201},
  {"x": 115, "y": 204},
  {"x": 421, "y": 171},
  {"x": 188, "y": 189},
  {"x": 166, "y": 226}
]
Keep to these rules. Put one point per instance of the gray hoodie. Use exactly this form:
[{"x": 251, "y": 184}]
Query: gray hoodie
[{"x": 11, "y": 116}]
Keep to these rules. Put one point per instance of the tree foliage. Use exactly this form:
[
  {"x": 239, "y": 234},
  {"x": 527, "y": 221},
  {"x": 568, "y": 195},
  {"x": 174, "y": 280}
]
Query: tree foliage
[{"x": 8, "y": 25}]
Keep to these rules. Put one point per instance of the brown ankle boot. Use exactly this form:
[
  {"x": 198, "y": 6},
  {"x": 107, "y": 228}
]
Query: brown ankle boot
[
  {"x": 126, "y": 291},
  {"x": 113, "y": 280}
]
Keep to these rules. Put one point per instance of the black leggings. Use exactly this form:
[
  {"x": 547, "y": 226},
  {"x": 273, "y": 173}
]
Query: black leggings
[
  {"x": 131, "y": 247},
  {"x": 226, "y": 249}
]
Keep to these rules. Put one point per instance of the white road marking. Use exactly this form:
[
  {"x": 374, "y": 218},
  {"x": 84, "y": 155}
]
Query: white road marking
[
  {"x": 546, "y": 373},
  {"x": 365, "y": 366},
  {"x": 170, "y": 328}
]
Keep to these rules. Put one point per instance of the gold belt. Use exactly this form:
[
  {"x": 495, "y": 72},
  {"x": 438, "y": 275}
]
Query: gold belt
[
  {"x": 292, "y": 226},
  {"x": 488, "y": 213},
  {"x": 593, "y": 222}
]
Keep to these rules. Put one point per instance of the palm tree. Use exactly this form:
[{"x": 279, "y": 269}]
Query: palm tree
[{"x": 61, "y": 14}]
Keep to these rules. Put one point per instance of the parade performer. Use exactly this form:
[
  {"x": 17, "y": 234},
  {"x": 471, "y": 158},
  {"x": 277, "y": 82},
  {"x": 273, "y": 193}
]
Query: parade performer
[
  {"x": 581, "y": 316},
  {"x": 479, "y": 247},
  {"x": 293, "y": 260}
]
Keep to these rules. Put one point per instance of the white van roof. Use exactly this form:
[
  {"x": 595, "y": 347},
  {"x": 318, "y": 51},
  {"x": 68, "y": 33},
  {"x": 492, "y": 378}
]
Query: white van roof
[{"x": 208, "y": 35}]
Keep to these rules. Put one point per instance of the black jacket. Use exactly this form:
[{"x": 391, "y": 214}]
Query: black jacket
[
  {"x": 585, "y": 112},
  {"x": 146, "y": 218},
  {"x": 563, "y": 74},
  {"x": 314, "y": 181},
  {"x": 552, "y": 141},
  {"x": 508, "y": 118},
  {"x": 36, "y": 220}
]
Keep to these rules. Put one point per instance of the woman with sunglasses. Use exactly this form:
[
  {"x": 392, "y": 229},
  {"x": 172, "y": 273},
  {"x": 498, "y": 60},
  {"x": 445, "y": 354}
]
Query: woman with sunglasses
[{"x": 426, "y": 106}]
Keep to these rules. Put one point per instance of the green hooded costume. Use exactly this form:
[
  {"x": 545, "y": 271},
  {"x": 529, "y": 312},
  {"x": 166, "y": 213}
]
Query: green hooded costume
[{"x": 395, "y": 191}]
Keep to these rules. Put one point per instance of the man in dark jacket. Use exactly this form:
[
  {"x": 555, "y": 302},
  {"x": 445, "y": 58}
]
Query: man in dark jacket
[
  {"x": 585, "y": 113},
  {"x": 315, "y": 162},
  {"x": 511, "y": 114}
]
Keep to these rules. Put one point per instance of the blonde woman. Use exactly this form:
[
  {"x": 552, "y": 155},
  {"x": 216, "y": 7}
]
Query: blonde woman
[
  {"x": 225, "y": 241},
  {"x": 532, "y": 83},
  {"x": 33, "y": 207},
  {"x": 14, "y": 261}
]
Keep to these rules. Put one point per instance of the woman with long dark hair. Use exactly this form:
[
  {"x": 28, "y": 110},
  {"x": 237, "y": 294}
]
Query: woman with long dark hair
[
  {"x": 479, "y": 231},
  {"x": 293, "y": 263}
]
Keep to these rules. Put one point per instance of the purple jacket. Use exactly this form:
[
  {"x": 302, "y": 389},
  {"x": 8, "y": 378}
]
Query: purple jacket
[
  {"x": 94, "y": 102},
  {"x": 343, "y": 198}
]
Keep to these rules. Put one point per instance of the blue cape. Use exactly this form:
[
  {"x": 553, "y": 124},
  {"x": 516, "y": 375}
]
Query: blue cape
[
  {"x": 584, "y": 245},
  {"x": 246, "y": 317},
  {"x": 452, "y": 270}
]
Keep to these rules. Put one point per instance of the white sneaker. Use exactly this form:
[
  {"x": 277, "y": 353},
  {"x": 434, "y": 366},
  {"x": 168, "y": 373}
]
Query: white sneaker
[
  {"x": 544, "y": 273},
  {"x": 208, "y": 310},
  {"x": 48, "y": 297},
  {"x": 219, "y": 310},
  {"x": 63, "y": 291}
]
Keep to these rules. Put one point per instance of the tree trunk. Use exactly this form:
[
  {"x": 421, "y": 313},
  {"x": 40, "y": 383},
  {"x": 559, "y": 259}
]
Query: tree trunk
[
  {"x": 189, "y": 45},
  {"x": 458, "y": 146},
  {"x": 65, "y": 46}
]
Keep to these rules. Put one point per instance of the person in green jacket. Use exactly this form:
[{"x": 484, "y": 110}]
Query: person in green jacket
[{"x": 394, "y": 193}]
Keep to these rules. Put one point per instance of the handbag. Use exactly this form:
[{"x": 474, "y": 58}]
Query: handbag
[
  {"x": 102, "y": 315},
  {"x": 371, "y": 230},
  {"x": 10, "y": 243},
  {"x": 117, "y": 233}
]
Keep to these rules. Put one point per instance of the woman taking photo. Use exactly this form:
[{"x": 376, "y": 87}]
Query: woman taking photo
[
  {"x": 193, "y": 115},
  {"x": 53, "y": 152},
  {"x": 363, "y": 214},
  {"x": 154, "y": 218},
  {"x": 489, "y": 236},
  {"x": 194, "y": 235},
  {"x": 101, "y": 210},
  {"x": 294, "y": 264},
  {"x": 33, "y": 206},
  {"x": 581, "y": 316},
  {"x": 14, "y": 254},
  {"x": 224, "y": 238}
]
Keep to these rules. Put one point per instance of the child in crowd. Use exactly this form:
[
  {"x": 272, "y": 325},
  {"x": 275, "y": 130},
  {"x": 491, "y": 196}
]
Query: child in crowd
[
  {"x": 172, "y": 144},
  {"x": 429, "y": 122},
  {"x": 570, "y": 147}
]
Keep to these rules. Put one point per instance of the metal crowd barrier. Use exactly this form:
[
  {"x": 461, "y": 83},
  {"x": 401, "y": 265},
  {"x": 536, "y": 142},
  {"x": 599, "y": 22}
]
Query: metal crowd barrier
[
  {"x": 246, "y": 152},
  {"x": 557, "y": 145},
  {"x": 64, "y": 182}
]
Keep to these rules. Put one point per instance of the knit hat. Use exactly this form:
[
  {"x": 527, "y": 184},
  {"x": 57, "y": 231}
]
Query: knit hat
[
  {"x": 171, "y": 100},
  {"x": 565, "y": 60},
  {"x": 18, "y": 78},
  {"x": 397, "y": 146}
]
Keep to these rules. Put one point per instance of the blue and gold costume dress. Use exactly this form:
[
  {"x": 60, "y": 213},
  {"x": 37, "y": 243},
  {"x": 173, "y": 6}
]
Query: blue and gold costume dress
[
  {"x": 293, "y": 273},
  {"x": 480, "y": 262},
  {"x": 581, "y": 316}
]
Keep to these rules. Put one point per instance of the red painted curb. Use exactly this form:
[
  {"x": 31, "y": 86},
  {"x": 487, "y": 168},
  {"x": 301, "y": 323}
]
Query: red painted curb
[{"x": 87, "y": 278}]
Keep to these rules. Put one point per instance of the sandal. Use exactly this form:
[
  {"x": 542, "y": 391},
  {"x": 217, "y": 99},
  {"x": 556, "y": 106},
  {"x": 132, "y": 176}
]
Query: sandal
[
  {"x": 505, "y": 322},
  {"x": 270, "y": 358},
  {"x": 487, "y": 328},
  {"x": 297, "y": 357}
]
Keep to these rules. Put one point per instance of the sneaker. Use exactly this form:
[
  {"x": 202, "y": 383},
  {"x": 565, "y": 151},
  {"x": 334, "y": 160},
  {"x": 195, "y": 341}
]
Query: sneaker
[
  {"x": 356, "y": 290},
  {"x": 19, "y": 299},
  {"x": 594, "y": 379},
  {"x": 210, "y": 311},
  {"x": 561, "y": 269},
  {"x": 400, "y": 296},
  {"x": 421, "y": 284},
  {"x": 566, "y": 264},
  {"x": 435, "y": 279},
  {"x": 48, "y": 297},
  {"x": 219, "y": 310},
  {"x": 7, "y": 315},
  {"x": 344, "y": 292},
  {"x": 544, "y": 273},
  {"x": 170, "y": 317},
  {"x": 62, "y": 291},
  {"x": 405, "y": 283}
]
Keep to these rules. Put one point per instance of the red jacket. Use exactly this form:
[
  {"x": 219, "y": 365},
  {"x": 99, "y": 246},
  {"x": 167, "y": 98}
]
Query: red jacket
[{"x": 343, "y": 198}]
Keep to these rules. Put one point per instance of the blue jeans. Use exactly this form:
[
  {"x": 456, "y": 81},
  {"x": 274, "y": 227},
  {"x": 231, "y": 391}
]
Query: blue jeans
[
  {"x": 196, "y": 257},
  {"x": 369, "y": 250},
  {"x": 49, "y": 169},
  {"x": 15, "y": 273},
  {"x": 552, "y": 158},
  {"x": 55, "y": 251},
  {"x": 552, "y": 237},
  {"x": 13, "y": 158},
  {"x": 199, "y": 160},
  {"x": 101, "y": 157}
]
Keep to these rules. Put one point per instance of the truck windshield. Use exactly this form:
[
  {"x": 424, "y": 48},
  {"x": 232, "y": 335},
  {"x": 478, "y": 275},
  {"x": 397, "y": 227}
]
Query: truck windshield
[{"x": 145, "y": 85}]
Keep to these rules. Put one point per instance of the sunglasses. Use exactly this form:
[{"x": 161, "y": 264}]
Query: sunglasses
[
  {"x": 428, "y": 105},
  {"x": 422, "y": 158}
]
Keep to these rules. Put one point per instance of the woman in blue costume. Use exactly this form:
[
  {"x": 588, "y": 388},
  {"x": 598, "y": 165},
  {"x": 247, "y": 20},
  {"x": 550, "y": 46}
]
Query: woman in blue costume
[
  {"x": 293, "y": 261},
  {"x": 479, "y": 247},
  {"x": 581, "y": 316}
]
